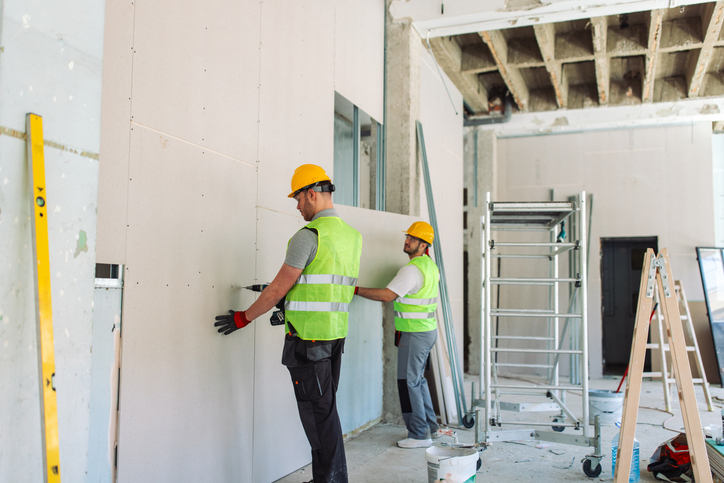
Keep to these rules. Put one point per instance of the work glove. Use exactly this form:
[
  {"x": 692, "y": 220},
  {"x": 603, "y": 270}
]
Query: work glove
[{"x": 231, "y": 322}]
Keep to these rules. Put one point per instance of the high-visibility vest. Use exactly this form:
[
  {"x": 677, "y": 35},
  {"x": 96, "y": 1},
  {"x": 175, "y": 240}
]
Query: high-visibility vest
[
  {"x": 317, "y": 305},
  {"x": 416, "y": 312}
]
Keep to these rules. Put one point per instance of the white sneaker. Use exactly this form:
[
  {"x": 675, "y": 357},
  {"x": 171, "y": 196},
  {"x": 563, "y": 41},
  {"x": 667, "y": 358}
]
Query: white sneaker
[
  {"x": 414, "y": 443},
  {"x": 436, "y": 434}
]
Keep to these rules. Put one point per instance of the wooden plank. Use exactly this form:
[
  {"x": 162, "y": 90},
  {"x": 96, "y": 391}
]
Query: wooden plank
[
  {"x": 635, "y": 373},
  {"x": 512, "y": 76},
  {"x": 656, "y": 20},
  {"x": 546, "y": 37},
  {"x": 682, "y": 372},
  {"x": 600, "y": 32},
  {"x": 713, "y": 19},
  {"x": 448, "y": 55}
]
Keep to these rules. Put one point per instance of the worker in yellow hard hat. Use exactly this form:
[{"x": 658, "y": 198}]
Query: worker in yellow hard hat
[
  {"x": 415, "y": 292},
  {"x": 318, "y": 279}
]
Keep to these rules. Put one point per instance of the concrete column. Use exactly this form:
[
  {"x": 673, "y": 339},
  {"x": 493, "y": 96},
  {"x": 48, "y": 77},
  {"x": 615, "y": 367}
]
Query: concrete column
[
  {"x": 402, "y": 109},
  {"x": 479, "y": 147}
]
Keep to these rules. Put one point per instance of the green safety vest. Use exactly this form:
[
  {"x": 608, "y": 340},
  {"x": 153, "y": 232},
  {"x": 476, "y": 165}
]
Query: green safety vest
[
  {"x": 317, "y": 305},
  {"x": 416, "y": 312}
]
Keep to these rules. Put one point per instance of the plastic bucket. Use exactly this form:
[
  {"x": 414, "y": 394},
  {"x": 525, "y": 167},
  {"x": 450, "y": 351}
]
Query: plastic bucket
[
  {"x": 608, "y": 405},
  {"x": 454, "y": 465}
]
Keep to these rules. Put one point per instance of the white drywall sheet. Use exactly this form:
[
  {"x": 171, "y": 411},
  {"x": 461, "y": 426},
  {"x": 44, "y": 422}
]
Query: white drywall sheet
[
  {"x": 359, "y": 54},
  {"x": 443, "y": 131},
  {"x": 186, "y": 400}
]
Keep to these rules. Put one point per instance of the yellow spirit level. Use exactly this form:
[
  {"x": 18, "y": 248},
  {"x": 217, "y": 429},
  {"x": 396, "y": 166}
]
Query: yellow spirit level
[{"x": 43, "y": 311}]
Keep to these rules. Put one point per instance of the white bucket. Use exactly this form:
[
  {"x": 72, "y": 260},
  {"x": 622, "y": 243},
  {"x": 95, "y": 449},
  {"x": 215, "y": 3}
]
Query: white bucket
[
  {"x": 608, "y": 405},
  {"x": 453, "y": 465}
]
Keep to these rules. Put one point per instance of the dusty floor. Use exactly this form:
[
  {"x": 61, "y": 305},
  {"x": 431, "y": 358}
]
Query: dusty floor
[{"x": 373, "y": 456}]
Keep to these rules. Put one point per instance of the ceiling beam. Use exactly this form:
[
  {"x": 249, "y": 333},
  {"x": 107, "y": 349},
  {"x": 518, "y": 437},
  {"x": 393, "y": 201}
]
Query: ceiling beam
[
  {"x": 600, "y": 32},
  {"x": 511, "y": 75},
  {"x": 652, "y": 53},
  {"x": 546, "y": 37},
  {"x": 681, "y": 111},
  {"x": 465, "y": 16},
  {"x": 448, "y": 55},
  {"x": 712, "y": 20}
]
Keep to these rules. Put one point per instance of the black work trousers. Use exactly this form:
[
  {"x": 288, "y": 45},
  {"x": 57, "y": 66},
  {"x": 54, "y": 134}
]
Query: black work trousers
[{"x": 315, "y": 368}]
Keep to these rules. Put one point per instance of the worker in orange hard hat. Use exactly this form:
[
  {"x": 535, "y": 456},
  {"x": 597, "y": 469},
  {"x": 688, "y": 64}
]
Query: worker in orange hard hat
[
  {"x": 317, "y": 280},
  {"x": 415, "y": 292}
]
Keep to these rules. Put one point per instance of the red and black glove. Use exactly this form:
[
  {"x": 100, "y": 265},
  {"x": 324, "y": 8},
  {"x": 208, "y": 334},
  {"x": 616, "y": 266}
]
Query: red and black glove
[{"x": 231, "y": 322}]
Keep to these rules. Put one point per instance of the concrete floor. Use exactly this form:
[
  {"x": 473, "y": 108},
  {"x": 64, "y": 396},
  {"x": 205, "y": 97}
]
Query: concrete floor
[{"x": 373, "y": 457}]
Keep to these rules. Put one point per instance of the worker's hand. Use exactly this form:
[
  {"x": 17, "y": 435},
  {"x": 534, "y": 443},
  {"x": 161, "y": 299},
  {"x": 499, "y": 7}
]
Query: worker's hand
[{"x": 231, "y": 322}]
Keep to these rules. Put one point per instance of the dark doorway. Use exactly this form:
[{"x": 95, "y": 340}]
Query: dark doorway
[{"x": 621, "y": 263}]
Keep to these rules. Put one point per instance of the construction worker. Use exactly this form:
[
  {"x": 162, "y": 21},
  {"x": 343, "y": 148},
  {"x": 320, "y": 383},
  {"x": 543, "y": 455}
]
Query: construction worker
[
  {"x": 318, "y": 278},
  {"x": 415, "y": 292}
]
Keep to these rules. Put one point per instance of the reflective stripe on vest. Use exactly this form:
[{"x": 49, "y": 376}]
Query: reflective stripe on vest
[
  {"x": 331, "y": 279},
  {"x": 416, "y": 312},
  {"x": 317, "y": 306},
  {"x": 405, "y": 300},
  {"x": 415, "y": 315},
  {"x": 318, "y": 303}
]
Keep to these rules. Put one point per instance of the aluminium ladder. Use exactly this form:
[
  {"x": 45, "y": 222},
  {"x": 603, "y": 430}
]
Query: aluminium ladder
[{"x": 522, "y": 226}]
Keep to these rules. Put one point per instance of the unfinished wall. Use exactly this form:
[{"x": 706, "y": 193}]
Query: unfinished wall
[
  {"x": 50, "y": 64},
  {"x": 645, "y": 182},
  {"x": 207, "y": 112}
]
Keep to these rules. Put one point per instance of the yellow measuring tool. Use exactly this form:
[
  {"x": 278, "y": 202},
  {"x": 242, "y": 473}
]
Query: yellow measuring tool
[{"x": 43, "y": 312}]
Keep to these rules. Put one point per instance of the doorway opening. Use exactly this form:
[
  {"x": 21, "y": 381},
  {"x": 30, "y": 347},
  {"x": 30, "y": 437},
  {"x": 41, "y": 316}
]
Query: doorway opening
[{"x": 621, "y": 263}]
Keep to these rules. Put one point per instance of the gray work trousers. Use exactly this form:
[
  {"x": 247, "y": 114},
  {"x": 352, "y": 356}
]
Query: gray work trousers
[{"x": 417, "y": 411}]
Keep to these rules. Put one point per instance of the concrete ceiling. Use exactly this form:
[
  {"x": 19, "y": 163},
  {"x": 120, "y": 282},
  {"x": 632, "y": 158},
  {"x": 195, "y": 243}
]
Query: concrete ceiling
[{"x": 656, "y": 59}]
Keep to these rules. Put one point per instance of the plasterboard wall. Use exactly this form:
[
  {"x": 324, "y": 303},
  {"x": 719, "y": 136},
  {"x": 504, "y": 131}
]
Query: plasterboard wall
[
  {"x": 645, "y": 182},
  {"x": 50, "y": 65},
  {"x": 213, "y": 121},
  {"x": 441, "y": 117}
]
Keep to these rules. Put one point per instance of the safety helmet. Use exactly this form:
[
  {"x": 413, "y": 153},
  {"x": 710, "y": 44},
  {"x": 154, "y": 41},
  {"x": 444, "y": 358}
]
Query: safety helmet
[
  {"x": 421, "y": 230},
  {"x": 306, "y": 175}
]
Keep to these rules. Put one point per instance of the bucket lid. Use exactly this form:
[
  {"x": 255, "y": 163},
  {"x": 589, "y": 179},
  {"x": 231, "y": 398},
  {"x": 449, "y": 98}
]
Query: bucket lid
[{"x": 434, "y": 454}]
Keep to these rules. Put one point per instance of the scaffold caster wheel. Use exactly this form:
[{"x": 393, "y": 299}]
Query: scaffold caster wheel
[
  {"x": 591, "y": 472},
  {"x": 558, "y": 429},
  {"x": 468, "y": 421}
]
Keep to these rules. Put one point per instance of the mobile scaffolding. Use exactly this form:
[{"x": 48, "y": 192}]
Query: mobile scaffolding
[{"x": 533, "y": 233}]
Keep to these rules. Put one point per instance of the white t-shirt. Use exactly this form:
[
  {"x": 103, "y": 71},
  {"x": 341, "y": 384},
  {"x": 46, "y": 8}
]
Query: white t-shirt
[{"x": 409, "y": 279}]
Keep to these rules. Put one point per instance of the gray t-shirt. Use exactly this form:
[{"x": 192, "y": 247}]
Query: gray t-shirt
[{"x": 303, "y": 246}]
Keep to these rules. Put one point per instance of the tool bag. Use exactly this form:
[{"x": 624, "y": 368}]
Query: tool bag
[{"x": 671, "y": 460}]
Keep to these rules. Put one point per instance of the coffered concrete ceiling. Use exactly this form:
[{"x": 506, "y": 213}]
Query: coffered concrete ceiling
[{"x": 568, "y": 64}]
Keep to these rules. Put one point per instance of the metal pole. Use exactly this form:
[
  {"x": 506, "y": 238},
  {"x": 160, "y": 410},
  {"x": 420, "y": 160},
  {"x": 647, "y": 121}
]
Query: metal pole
[{"x": 457, "y": 375}]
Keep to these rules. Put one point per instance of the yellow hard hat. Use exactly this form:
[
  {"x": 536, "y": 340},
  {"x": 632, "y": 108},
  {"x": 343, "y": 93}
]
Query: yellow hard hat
[
  {"x": 422, "y": 230},
  {"x": 305, "y": 175}
]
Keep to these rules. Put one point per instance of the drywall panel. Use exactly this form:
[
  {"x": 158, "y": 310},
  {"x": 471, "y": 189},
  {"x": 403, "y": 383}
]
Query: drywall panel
[
  {"x": 104, "y": 383},
  {"x": 186, "y": 396},
  {"x": 274, "y": 403},
  {"x": 360, "y": 392},
  {"x": 645, "y": 182},
  {"x": 359, "y": 54},
  {"x": 441, "y": 117},
  {"x": 115, "y": 132},
  {"x": 196, "y": 73},
  {"x": 296, "y": 105},
  {"x": 717, "y": 147}
]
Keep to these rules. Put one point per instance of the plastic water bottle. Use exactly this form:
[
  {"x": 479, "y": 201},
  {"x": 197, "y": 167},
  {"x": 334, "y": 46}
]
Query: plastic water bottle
[{"x": 635, "y": 474}]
